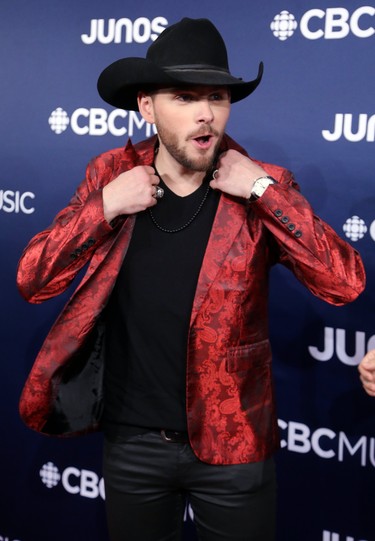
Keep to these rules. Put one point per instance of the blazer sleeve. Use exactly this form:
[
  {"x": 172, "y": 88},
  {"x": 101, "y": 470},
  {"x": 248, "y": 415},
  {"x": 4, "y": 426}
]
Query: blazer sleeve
[
  {"x": 326, "y": 264},
  {"x": 54, "y": 256}
]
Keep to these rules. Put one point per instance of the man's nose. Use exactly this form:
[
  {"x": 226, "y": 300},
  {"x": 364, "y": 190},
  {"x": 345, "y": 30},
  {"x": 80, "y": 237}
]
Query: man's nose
[{"x": 204, "y": 111}]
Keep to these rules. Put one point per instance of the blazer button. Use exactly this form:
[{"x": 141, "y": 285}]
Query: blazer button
[
  {"x": 291, "y": 227},
  {"x": 278, "y": 213},
  {"x": 298, "y": 233},
  {"x": 285, "y": 219}
]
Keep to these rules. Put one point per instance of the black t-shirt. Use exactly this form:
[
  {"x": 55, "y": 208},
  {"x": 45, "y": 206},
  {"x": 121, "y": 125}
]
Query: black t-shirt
[{"x": 149, "y": 311}]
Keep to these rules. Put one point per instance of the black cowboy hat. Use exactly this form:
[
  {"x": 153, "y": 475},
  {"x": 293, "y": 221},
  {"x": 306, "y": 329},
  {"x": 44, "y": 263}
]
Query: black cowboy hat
[{"x": 190, "y": 52}]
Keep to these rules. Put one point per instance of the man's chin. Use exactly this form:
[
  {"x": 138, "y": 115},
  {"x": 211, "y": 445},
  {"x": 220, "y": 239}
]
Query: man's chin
[{"x": 203, "y": 163}]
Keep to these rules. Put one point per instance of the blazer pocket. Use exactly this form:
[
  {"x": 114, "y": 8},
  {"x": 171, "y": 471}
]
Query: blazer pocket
[
  {"x": 250, "y": 368},
  {"x": 249, "y": 357}
]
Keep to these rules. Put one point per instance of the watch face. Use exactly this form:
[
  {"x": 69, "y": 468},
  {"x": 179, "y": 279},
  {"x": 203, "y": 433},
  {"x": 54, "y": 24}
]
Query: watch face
[
  {"x": 263, "y": 182},
  {"x": 260, "y": 186}
]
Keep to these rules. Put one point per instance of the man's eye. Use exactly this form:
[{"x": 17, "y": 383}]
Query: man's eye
[
  {"x": 184, "y": 97},
  {"x": 218, "y": 96}
]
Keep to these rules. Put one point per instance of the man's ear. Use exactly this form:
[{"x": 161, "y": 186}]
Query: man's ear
[{"x": 146, "y": 106}]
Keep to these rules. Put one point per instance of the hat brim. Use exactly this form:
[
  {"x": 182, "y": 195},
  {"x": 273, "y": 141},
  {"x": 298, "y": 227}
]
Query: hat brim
[{"x": 121, "y": 81}]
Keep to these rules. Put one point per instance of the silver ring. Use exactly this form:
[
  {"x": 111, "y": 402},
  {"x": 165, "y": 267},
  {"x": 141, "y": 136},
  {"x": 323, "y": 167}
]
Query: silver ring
[
  {"x": 214, "y": 173},
  {"x": 159, "y": 192}
]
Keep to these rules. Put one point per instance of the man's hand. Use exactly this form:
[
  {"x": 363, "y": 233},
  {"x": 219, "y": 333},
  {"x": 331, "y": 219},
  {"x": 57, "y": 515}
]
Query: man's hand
[
  {"x": 367, "y": 372},
  {"x": 130, "y": 192},
  {"x": 236, "y": 174}
]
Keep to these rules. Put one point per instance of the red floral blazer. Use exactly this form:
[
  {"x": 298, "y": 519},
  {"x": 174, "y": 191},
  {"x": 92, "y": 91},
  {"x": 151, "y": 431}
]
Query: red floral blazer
[{"x": 230, "y": 400}]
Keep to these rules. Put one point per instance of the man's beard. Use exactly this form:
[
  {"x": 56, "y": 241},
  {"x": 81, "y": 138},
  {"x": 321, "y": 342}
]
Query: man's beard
[{"x": 201, "y": 163}]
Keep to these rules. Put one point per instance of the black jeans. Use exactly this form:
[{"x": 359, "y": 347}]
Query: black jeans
[{"x": 147, "y": 483}]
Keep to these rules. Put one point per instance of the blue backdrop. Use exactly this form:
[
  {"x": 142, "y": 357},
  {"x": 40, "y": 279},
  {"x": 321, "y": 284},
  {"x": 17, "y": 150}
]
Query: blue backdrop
[{"x": 314, "y": 114}]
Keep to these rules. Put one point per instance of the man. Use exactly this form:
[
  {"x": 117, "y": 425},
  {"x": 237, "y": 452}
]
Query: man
[
  {"x": 367, "y": 372},
  {"x": 179, "y": 233}
]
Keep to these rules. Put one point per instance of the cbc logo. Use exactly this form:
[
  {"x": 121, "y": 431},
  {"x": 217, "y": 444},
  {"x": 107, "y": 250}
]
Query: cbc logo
[
  {"x": 332, "y": 23},
  {"x": 86, "y": 483},
  {"x": 97, "y": 121},
  {"x": 355, "y": 229},
  {"x": 283, "y": 25}
]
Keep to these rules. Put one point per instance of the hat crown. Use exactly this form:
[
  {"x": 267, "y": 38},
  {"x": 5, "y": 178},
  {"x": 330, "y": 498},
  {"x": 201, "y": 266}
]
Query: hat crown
[
  {"x": 190, "y": 43},
  {"x": 190, "y": 52}
]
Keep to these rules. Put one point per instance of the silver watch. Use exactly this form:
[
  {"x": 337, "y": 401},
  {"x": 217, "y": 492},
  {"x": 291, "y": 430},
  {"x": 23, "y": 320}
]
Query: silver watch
[{"x": 260, "y": 186}]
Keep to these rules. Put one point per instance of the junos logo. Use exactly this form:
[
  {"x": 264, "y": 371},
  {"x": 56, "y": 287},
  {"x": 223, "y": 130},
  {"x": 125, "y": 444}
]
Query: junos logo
[
  {"x": 97, "y": 122},
  {"x": 16, "y": 202},
  {"x": 353, "y": 130},
  {"x": 325, "y": 443},
  {"x": 335, "y": 342},
  {"x": 331, "y": 536},
  {"x": 332, "y": 23},
  {"x": 124, "y": 30},
  {"x": 355, "y": 229}
]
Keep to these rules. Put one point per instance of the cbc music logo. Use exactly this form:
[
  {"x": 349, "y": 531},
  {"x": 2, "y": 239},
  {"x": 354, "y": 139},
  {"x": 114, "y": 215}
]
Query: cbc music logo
[
  {"x": 86, "y": 483},
  {"x": 297, "y": 437},
  {"x": 16, "y": 202},
  {"x": 97, "y": 121},
  {"x": 332, "y": 23}
]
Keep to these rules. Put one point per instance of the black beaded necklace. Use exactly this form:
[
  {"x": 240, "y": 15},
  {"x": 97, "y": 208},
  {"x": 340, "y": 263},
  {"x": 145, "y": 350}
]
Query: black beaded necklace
[{"x": 185, "y": 225}]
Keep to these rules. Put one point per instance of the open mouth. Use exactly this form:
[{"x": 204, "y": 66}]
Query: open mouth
[
  {"x": 203, "y": 141},
  {"x": 203, "y": 138}
]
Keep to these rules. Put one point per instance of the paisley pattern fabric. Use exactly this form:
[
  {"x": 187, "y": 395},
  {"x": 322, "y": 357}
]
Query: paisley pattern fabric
[{"x": 230, "y": 399}]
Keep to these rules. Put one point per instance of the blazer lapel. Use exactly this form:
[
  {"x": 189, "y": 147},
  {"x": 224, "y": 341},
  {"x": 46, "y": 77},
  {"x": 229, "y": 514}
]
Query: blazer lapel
[{"x": 230, "y": 217}]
